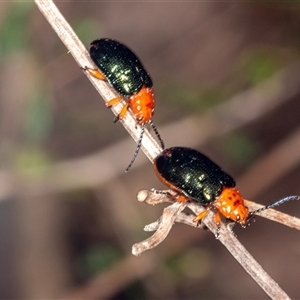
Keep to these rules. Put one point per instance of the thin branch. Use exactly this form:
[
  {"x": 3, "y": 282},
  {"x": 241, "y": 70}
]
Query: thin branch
[
  {"x": 165, "y": 224},
  {"x": 275, "y": 215},
  {"x": 174, "y": 213}
]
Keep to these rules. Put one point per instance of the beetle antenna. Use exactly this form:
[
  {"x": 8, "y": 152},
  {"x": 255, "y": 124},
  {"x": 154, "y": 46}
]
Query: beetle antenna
[
  {"x": 157, "y": 134},
  {"x": 279, "y": 202},
  {"x": 138, "y": 147}
]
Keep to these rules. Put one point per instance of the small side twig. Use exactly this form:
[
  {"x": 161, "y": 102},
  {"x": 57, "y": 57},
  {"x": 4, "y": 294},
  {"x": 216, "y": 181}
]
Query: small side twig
[
  {"x": 174, "y": 213},
  {"x": 165, "y": 224}
]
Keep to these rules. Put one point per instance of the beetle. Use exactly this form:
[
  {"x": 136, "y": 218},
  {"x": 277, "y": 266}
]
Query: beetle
[
  {"x": 122, "y": 69},
  {"x": 194, "y": 176}
]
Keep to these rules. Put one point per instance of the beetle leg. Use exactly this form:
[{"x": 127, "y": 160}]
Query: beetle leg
[
  {"x": 162, "y": 192},
  {"x": 181, "y": 198},
  {"x": 166, "y": 193},
  {"x": 200, "y": 216},
  {"x": 113, "y": 101},
  {"x": 94, "y": 72},
  {"x": 177, "y": 197},
  {"x": 122, "y": 113},
  {"x": 218, "y": 223},
  {"x": 217, "y": 219}
]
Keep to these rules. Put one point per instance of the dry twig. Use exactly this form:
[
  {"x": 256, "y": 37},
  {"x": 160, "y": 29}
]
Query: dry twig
[{"x": 174, "y": 213}]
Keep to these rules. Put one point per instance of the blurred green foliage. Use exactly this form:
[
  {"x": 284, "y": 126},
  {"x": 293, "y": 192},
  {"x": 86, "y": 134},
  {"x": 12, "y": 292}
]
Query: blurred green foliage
[
  {"x": 87, "y": 30},
  {"x": 99, "y": 258},
  {"x": 239, "y": 148},
  {"x": 191, "y": 97},
  {"x": 194, "y": 263},
  {"x": 261, "y": 68},
  {"x": 13, "y": 30},
  {"x": 252, "y": 66},
  {"x": 38, "y": 117},
  {"x": 261, "y": 62},
  {"x": 31, "y": 160}
]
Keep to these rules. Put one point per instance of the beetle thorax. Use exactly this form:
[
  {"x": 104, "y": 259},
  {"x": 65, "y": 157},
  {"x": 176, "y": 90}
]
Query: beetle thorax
[
  {"x": 231, "y": 205},
  {"x": 142, "y": 105}
]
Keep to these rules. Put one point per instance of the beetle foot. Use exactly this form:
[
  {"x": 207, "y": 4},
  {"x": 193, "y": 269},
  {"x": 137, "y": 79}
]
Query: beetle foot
[
  {"x": 117, "y": 118},
  {"x": 217, "y": 234}
]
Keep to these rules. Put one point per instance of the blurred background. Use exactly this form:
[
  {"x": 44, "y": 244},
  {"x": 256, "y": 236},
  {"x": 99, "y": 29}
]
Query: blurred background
[{"x": 227, "y": 82}]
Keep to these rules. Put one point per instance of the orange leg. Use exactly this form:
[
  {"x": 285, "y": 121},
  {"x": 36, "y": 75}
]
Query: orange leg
[
  {"x": 113, "y": 101},
  {"x": 181, "y": 198},
  {"x": 218, "y": 223},
  {"x": 122, "y": 112},
  {"x": 95, "y": 73},
  {"x": 200, "y": 216},
  {"x": 217, "y": 219}
]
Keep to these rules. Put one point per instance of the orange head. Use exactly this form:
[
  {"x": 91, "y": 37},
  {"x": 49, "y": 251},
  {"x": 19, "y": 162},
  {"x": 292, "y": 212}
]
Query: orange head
[
  {"x": 231, "y": 205},
  {"x": 142, "y": 105}
]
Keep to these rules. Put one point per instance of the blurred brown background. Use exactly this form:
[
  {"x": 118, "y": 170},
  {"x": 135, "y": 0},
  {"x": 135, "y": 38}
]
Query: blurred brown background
[{"x": 68, "y": 212}]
